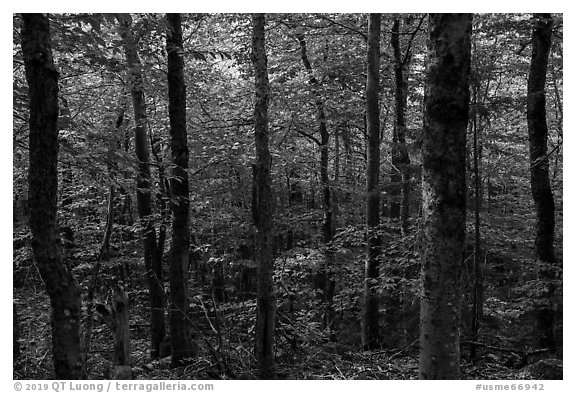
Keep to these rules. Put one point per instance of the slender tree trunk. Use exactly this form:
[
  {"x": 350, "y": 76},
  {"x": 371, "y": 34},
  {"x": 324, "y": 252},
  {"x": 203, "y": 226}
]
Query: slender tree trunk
[
  {"x": 336, "y": 189},
  {"x": 103, "y": 255},
  {"x": 370, "y": 328},
  {"x": 15, "y": 335},
  {"x": 114, "y": 144},
  {"x": 125, "y": 217},
  {"x": 331, "y": 282},
  {"x": 477, "y": 282},
  {"x": 262, "y": 212},
  {"x": 143, "y": 194},
  {"x": 179, "y": 189},
  {"x": 396, "y": 175},
  {"x": 400, "y": 187},
  {"x": 325, "y": 281},
  {"x": 446, "y": 105},
  {"x": 559, "y": 124},
  {"x": 164, "y": 205},
  {"x": 348, "y": 168},
  {"x": 539, "y": 177},
  {"x": 116, "y": 316},
  {"x": 123, "y": 214},
  {"x": 400, "y": 206},
  {"x": 62, "y": 288}
]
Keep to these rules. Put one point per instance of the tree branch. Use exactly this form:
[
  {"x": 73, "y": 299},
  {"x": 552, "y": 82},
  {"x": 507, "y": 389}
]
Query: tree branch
[
  {"x": 312, "y": 137},
  {"x": 364, "y": 36},
  {"x": 411, "y": 40}
]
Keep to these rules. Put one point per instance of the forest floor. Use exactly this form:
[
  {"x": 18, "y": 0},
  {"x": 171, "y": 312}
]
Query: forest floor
[
  {"x": 325, "y": 361},
  {"x": 506, "y": 334}
]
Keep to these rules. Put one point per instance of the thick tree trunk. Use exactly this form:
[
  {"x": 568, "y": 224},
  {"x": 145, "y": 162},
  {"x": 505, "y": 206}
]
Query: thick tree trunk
[
  {"x": 179, "y": 189},
  {"x": 538, "y": 134},
  {"x": 370, "y": 333},
  {"x": 262, "y": 208},
  {"x": 539, "y": 176},
  {"x": 61, "y": 285},
  {"x": 400, "y": 205},
  {"x": 152, "y": 262},
  {"x": 446, "y": 105}
]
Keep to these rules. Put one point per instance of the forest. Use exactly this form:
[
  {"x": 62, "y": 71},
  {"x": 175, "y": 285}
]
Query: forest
[{"x": 287, "y": 196}]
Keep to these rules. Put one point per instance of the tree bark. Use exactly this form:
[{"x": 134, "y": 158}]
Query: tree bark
[
  {"x": 446, "y": 106},
  {"x": 152, "y": 263},
  {"x": 538, "y": 135},
  {"x": 263, "y": 214},
  {"x": 179, "y": 190},
  {"x": 370, "y": 326},
  {"x": 539, "y": 176},
  {"x": 62, "y": 288}
]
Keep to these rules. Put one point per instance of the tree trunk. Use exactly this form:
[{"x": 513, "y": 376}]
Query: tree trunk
[
  {"x": 103, "y": 255},
  {"x": 262, "y": 212},
  {"x": 444, "y": 193},
  {"x": 324, "y": 281},
  {"x": 349, "y": 164},
  {"x": 179, "y": 190},
  {"x": 116, "y": 317},
  {"x": 400, "y": 185},
  {"x": 538, "y": 134},
  {"x": 370, "y": 328},
  {"x": 152, "y": 263},
  {"x": 62, "y": 288},
  {"x": 15, "y": 335},
  {"x": 539, "y": 177},
  {"x": 400, "y": 206},
  {"x": 122, "y": 347},
  {"x": 477, "y": 280},
  {"x": 123, "y": 213},
  {"x": 559, "y": 125}
]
